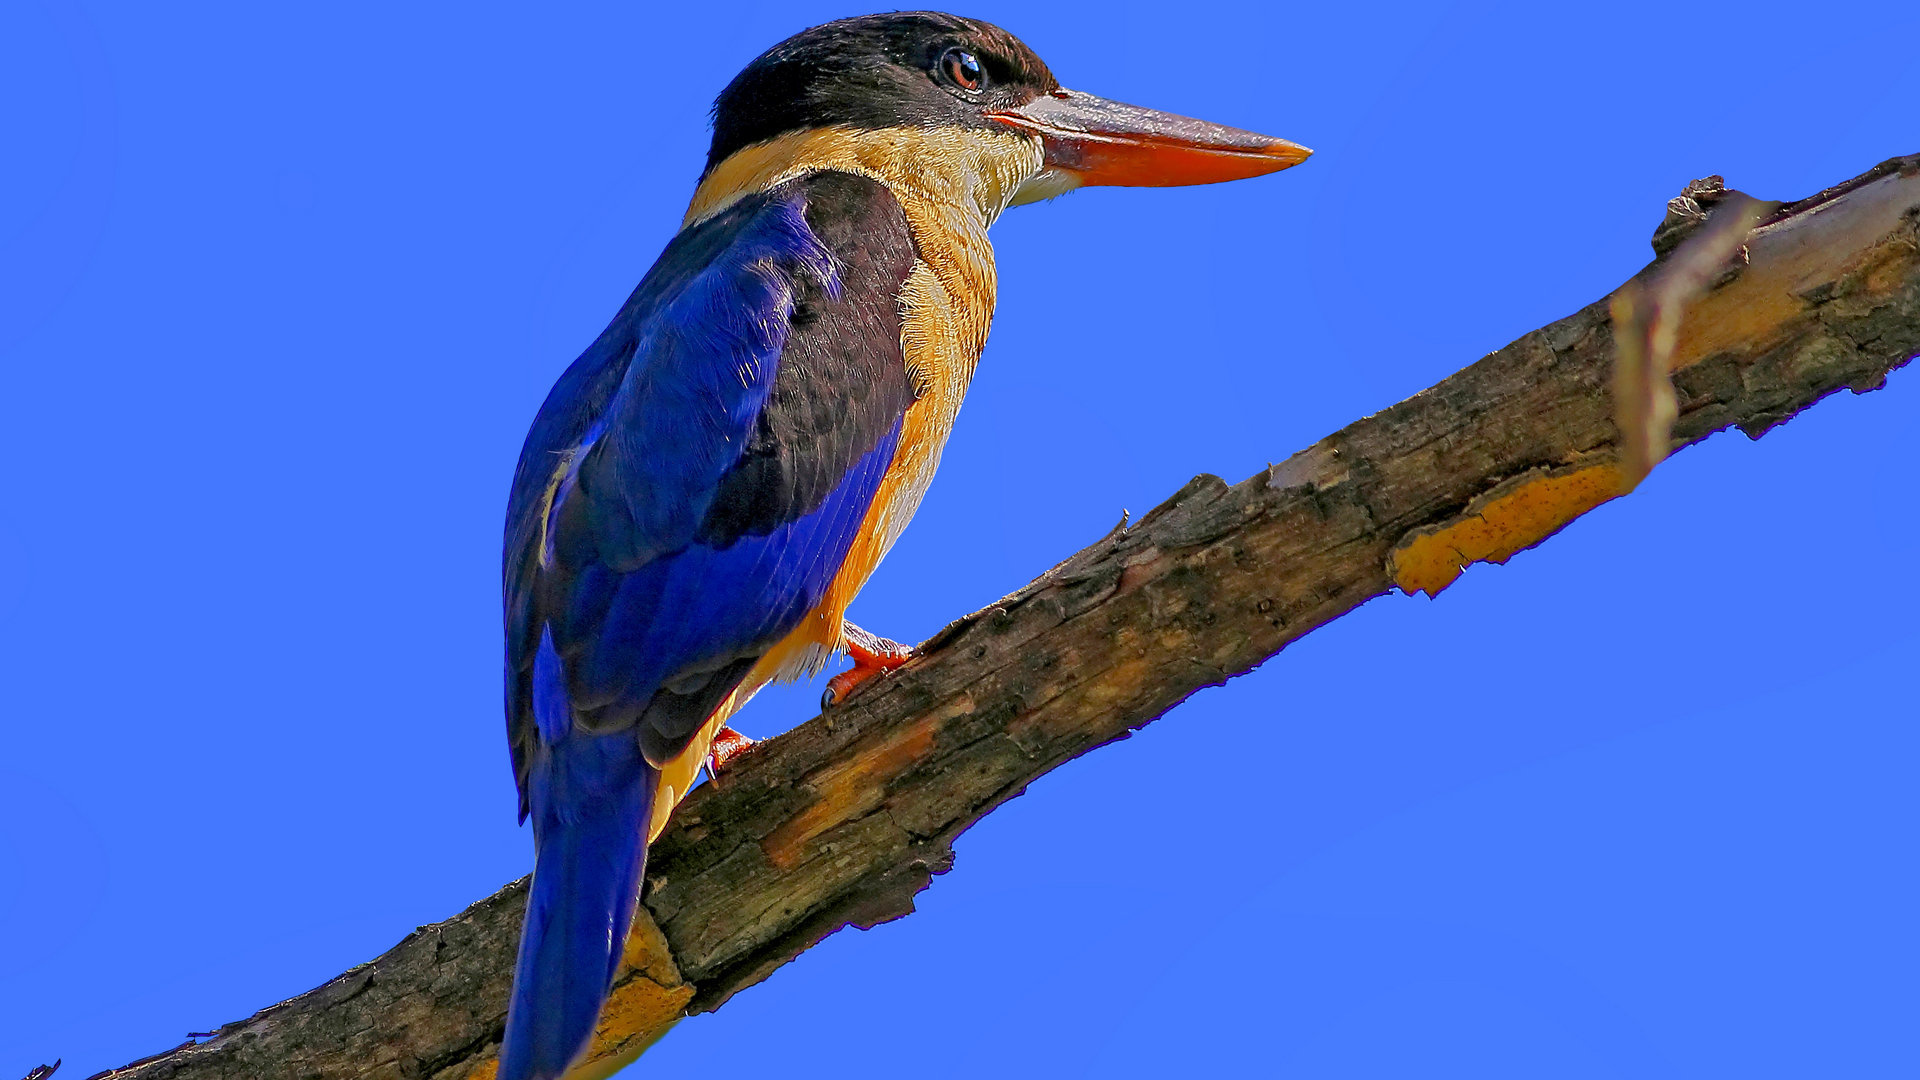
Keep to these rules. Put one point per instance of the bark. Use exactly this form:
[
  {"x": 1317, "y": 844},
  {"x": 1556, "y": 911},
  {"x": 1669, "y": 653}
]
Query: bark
[{"x": 842, "y": 820}]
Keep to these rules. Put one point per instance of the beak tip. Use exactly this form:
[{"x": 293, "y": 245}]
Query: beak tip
[{"x": 1290, "y": 152}]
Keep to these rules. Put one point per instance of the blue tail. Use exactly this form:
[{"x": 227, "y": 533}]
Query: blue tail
[{"x": 591, "y": 796}]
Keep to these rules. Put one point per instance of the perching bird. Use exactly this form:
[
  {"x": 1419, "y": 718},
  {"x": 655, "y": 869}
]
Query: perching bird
[{"x": 713, "y": 480}]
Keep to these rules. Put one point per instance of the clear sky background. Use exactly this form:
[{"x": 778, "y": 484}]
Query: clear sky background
[{"x": 281, "y": 287}]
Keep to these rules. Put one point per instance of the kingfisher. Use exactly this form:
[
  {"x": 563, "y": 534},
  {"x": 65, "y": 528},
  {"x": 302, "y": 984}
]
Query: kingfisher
[{"x": 710, "y": 484}]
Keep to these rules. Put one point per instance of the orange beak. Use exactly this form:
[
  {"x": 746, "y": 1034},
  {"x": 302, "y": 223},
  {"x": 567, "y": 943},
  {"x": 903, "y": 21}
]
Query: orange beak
[{"x": 1089, "y": 140}]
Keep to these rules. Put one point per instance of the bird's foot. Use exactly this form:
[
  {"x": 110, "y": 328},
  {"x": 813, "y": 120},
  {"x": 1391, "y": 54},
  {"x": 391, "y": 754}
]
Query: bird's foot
[
  {"x": 726, "y": 748},
  {"x": 872, "y": 655}
]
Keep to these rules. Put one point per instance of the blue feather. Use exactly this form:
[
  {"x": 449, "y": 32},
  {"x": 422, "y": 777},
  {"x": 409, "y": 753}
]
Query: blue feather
[
  {"x": 591, "y": 795},
  {"x": 704, "y": 602},
  {"x": 628, "y": 614}
]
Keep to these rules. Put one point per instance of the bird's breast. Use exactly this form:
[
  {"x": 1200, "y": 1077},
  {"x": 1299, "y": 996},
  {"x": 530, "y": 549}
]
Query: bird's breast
[
  {"x": 950, "y": 187},
  {"x": 946, "y": 309},
  {"x": 951, "y": 183}
]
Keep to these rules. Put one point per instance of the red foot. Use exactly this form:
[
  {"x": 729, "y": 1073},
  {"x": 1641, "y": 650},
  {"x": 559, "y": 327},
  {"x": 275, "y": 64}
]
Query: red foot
[
  {"x": 872, "y": 655},
  {"x": 726, "y": 748}
]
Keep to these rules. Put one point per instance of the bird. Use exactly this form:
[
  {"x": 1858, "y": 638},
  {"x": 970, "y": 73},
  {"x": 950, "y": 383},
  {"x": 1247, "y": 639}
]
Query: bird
[{"x": 707, "y": 487}]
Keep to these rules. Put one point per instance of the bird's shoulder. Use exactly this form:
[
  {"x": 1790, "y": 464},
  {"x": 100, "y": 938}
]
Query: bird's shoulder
[
  {"x": 843, "y": 378},
  {"x": 768, "y": 320}
]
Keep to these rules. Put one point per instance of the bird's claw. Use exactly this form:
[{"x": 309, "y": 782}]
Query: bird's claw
[
  {"x": 872, "y": 655},
  {"x": 727, "y": 747}
]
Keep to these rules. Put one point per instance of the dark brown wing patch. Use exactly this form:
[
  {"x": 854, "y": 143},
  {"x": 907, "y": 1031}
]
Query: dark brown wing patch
[{"x": 842, "y": 383}]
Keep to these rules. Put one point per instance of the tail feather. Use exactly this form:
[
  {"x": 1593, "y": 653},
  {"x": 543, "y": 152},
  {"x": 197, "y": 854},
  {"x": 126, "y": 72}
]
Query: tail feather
[{"x": 591, "y": 798}]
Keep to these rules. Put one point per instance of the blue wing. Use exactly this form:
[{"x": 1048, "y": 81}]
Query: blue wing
[{"x": 687, "y": 493}]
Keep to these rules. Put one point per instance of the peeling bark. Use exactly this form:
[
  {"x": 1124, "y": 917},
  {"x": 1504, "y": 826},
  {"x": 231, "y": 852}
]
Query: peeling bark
[{"x": 842, "y": 820}]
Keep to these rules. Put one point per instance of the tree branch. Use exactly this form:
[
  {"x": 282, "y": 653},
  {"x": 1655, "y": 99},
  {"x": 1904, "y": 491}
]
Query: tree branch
[{"x": 842, "y": 820}]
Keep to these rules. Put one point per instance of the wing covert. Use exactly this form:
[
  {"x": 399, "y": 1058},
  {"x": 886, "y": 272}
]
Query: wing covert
[{"x": 695, "y": 479}]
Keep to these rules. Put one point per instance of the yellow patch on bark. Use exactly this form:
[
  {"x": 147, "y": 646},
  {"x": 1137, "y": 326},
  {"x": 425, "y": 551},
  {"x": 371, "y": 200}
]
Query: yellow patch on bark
[
  {"x": 648, "y": 998},
  {"x": 1514, "y": 516},
  {"x": 849, "y": 788}
]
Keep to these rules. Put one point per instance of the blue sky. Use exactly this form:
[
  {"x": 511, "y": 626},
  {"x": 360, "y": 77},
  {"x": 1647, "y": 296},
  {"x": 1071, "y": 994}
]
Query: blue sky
[{"x": 282, "y": 285}]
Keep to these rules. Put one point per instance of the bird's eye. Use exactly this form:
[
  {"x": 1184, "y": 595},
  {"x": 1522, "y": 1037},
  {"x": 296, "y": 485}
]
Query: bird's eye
[{"x": 961, "y": 69}]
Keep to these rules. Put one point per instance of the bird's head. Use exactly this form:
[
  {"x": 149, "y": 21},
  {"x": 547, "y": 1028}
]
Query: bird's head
[{"x": 957, "y": 106}]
